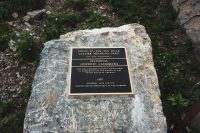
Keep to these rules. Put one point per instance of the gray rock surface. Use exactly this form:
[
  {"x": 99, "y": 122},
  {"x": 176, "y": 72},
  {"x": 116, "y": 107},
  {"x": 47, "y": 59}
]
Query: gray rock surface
[
  {"x": 189, "y": 17},
  {"x": 177, "y": 3},
  {"x": 196, "y": 122},
  {"x": 15, "y": 15},
  {"x": 51, "y": 110},
  {"x": 34, "y": 15}
]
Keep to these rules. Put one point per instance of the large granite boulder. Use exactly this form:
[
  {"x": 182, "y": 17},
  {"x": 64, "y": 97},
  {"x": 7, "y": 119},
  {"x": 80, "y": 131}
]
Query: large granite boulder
[
  {"x": 189, "y": 17},
  {"x": 51, "y": 110}
]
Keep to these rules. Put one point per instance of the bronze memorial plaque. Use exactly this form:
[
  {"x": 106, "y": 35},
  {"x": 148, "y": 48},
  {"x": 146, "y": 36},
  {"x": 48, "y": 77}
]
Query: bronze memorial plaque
[{"x": 99, "y": 71}]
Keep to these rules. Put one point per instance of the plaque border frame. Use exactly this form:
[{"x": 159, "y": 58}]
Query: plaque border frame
[{"x": 96, "y": 94}]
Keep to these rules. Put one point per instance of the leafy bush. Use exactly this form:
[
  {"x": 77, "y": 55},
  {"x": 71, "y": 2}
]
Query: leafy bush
[
  {"x": 177, "y": 102},
  {"x": 54, "y": 27},
  {"x": 57, "y": 25},
  {"x": 27, "y": 47}
]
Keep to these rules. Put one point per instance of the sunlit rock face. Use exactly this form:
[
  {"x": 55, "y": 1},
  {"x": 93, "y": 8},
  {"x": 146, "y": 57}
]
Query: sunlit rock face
[{"x": 51, "y": 110}]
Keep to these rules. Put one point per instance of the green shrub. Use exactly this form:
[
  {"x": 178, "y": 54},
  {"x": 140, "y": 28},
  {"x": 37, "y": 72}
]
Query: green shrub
[
  {"x": 6, "y": 108},
  {"x": 91, "y": 20},
  {"x": 71, "y": 20},
  {"x": 177, "y": 102},
  {"x": 4, "y": 39},
  {"x": 134, "y": 10},
  {"x": 4, "y": 36},
  {"x": 54, "y": 27},
  {"x": 162, "y": 24},
  {"x": 57, "y": 25},
  {"x": 27, "y": 48},
  {"x": 26, "y": 91},
  {"x": 143, "y": 11},
  {"x": 8, "y": 124},
  {"x": 77, "y": 4}
]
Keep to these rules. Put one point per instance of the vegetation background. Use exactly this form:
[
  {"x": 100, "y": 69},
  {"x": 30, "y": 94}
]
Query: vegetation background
[{"x": 178, "y": 70}]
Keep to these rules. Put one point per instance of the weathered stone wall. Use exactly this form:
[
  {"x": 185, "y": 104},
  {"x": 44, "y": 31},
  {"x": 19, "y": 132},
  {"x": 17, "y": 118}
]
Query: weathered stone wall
[{"x": 51, "y": 110}]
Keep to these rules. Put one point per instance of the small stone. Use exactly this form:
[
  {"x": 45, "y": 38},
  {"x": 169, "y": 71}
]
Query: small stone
[
  {"x": 17, "y": 34},
  {"x": 12, "y": 46},
  {"x": 48, "y": 13},
  {"x": 18, "y": 75},
  {"x": 15, "y": 55},
  {"x": 37, "y": 37},
  {"x": 7, "y": 50},
  {"x": 36, "y": 14},
  {"x": 7, "y": 67},
  {"x": 26, "y": 18},
  {"x": 19, "y": 91},
  {"x": 23, "y": 67},
  {"x": 27, "y": 24},
  {"x": 21, "y": 83},
  {"x": 27, "y": 29},
  {"x": 15, "y": 95},
  {"x": 10, "y": 23},
  {"x": 101, "y": 7},
  {"x": 12, "y": 89},
  {"x": 15, "y": 15}
]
